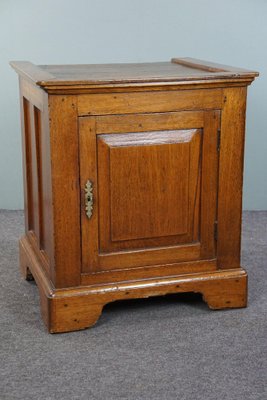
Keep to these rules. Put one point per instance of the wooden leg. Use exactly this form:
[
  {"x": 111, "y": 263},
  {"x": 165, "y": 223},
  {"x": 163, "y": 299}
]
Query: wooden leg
[
  {"x": 24, "y": 266},
  {"x": 62, "y": 310},
  {"x": 226, "y": 293},
  {"x": 72, "y": 314}
]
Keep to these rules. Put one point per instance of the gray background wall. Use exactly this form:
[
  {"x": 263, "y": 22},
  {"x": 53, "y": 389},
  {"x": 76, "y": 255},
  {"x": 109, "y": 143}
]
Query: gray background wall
[{"x": 65, "y": 31}]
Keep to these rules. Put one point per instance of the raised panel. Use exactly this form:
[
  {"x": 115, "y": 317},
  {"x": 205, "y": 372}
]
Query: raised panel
[
  {"x": 148, "y": 185},
  {"x": 28, "y": 195},
  {"x": 32, "y": 128},
  {"x": 143, "y": 192},
  {"x": 39, "y": 167}
]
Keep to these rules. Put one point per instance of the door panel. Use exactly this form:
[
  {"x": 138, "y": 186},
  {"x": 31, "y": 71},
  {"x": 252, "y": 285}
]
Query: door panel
[
  {"x": 154, "y": 188},
  {"x": 137, "y": 173},
  {"x": 143, "y": 196}
]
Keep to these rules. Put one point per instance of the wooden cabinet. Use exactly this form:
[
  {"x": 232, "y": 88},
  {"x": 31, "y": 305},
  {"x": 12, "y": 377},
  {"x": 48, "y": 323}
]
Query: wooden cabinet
[{"x": 133, "y": 184}]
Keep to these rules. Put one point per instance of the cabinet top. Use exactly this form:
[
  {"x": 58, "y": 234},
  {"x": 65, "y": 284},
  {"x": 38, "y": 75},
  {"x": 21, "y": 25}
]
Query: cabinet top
[{"x": 179, "y": 71}]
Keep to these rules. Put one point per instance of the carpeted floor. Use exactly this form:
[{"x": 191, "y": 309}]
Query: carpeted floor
[{"x": 172, "y": 347}]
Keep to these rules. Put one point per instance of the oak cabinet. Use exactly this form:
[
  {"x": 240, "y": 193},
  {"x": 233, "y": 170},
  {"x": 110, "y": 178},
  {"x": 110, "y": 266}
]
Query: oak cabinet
[{"x": 133, "y": 184}]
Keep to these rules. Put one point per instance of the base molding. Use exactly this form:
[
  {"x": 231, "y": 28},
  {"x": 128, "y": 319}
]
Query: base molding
[{"x": 72, "y": 309}]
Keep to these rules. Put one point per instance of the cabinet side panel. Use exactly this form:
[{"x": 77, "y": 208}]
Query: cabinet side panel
[
  {"x": 37, "y": 173},
  {"x": 231, "y": 177}
]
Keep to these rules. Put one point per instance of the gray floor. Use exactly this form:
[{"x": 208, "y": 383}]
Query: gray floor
[{"x": 172, "y": 347}]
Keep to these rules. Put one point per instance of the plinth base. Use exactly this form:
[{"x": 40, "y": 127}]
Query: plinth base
[{"x": 72, "y": 309}]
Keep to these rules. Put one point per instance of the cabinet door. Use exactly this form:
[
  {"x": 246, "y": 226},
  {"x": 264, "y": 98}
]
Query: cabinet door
[{"x": 152, "y": 179}]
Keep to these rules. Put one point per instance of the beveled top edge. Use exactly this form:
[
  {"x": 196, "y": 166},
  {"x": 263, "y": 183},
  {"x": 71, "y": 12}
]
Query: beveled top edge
[
  {"x": 212, "y": 67},
  {"x": 94, "y": 75}
]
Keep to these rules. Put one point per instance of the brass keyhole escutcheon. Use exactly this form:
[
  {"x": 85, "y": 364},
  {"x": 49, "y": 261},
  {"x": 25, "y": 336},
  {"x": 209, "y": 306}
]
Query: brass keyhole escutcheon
[{"x": 89, "y": 199}]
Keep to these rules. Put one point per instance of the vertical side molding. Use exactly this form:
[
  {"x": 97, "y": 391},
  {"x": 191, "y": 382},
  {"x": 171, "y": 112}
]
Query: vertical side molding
[
  {"x": 209, "y": 183},
  {"x": 88, "y": 170},
  {"x": 231, "y": 177},
  {"x": 65, "y": 189},
  {"x": 47, "y": 233}
]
